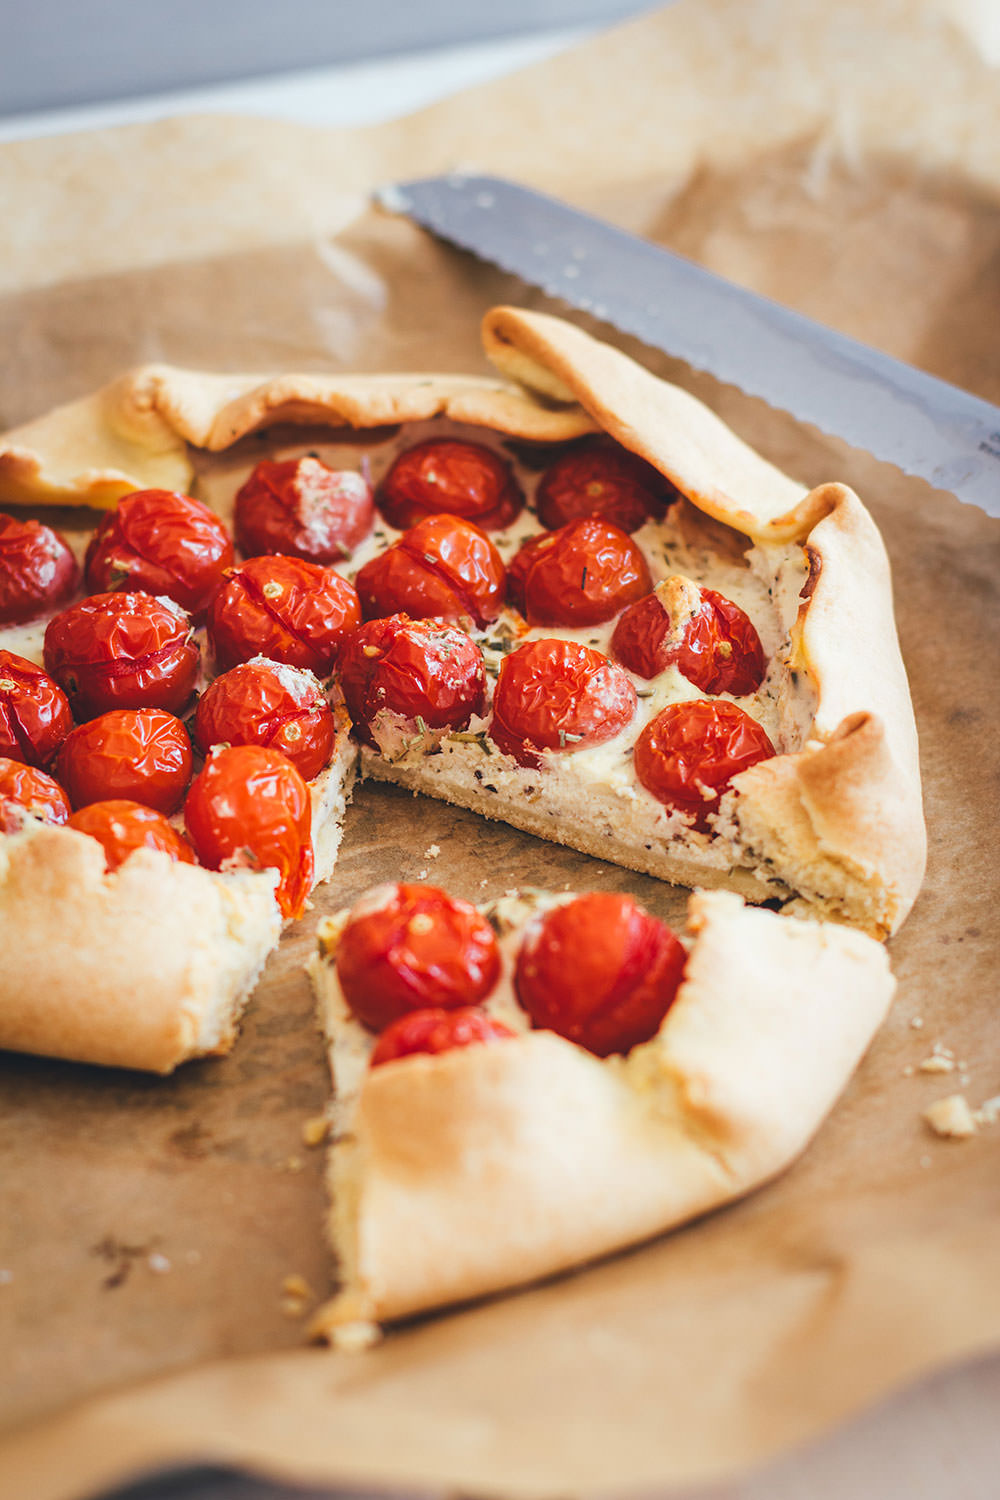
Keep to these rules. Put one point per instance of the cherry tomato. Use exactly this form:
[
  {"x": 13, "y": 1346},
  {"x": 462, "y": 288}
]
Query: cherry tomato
[
  {"x": 303, "y": 508},
  {"x": 248, "y": 807},
  {"x": 132, "y": 754},
  {"x": 35, "y": 715},
  {"x": 719, "y": 649},
  {"x": 410, "y": 947},
  {"x": 557, "y": 695},
  {"x": 419, "y": 669},
  {"x": 266, "y": 703},
  {"x": 437, "y": 1030},
  {"x": 445, "y": 474},
  {"x": 285, "y": 609},
  {"x": 27, "y": 790},
  {"x": 121, "y": 827},
  {"x": 37, "y": 570},
  {"x": 689, "y": 753},
  {"x": 600, "y": 971},
  {"x": 598, "y": 478},
  {"x": 160, "y": 542},
  {"x": 442, "y": 568},
  {"x": 122, "y": 651},
  {"x": 582, "y": 574}
]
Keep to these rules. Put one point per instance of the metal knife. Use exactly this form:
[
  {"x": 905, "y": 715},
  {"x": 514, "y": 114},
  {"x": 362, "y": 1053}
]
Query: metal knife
[{"x": 925, "y": 425}]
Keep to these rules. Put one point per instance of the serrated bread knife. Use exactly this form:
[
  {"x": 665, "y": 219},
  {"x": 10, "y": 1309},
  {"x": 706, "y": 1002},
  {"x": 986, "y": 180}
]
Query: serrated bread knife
[{"x": 897, "y": 413}]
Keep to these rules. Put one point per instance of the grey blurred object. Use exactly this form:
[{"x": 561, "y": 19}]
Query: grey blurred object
[{"x": 61, "y": 53}]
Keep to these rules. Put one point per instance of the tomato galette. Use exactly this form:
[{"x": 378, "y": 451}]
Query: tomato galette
[
  {"x": 522, "y": 1088},
  {"x": 569, "y": 598}
]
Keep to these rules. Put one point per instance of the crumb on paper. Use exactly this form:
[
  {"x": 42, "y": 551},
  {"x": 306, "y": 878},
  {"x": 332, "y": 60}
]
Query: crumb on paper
[
  {"x": 937, "y": 1063},
  {"x": 158, "y": 1263},
  {"x": 421, "y": 874},
  {"x": 988, "y": 1112},
  {"x": 296, "y": 1285},
  {"x": 951, "y": 1117},
  {"x": 483, "y": 884},
  {"x": 917, "y": 1023},
  {"x": 295, "y": 1164},
  {"x": 908, "y": 1070},
  {"x": 315, "y": 1130},
  {"x": 6, "y": 1277},
  {"x": 353, "y": 1338},
  {"x": 432, "y": 851}
]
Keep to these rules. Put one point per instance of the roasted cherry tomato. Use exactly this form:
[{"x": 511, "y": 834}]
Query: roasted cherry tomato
[
  {"x": 38, "y": 572},
  {"x": 717, "y": 647},
  {"x": 122, "y": 651},
  {"x": 132, "y": 754},
  {"x": 689, "y": 753},
  {"x": 443, "y": 568},
  {"x": 557, "y": 695},
  {"x": 160, "y": 542},
  {"x": 266, "y": 703},
  {"x": 599, "y": 970},
  {"x": 285, "y": 609},
  {"x": 598, "y": 478},
  {"x": 26, "y": 789},
  {"x": 420, "y": 670},
  {"x": 445, "y": 474},
  {"x": 35, "y": 715},
  {"x": 121, "y": 827},
  {"x": 410, "y": 947},
  {"x": 437, "y": 1030},
  {"x": 248, "y": 807},
  {"x": 582, "y": 574},
  {"x": 303, "y": 508}
]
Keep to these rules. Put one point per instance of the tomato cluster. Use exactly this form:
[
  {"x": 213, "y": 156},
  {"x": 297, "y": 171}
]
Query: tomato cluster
[{"x": 417, "y": 965}]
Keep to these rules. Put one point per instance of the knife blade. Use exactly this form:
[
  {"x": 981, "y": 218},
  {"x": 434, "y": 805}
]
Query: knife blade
[{"x": 898, "y": 413}]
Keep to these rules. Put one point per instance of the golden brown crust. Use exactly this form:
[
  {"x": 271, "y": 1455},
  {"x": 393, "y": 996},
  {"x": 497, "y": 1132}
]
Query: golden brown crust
[
  {"x": 479, "y": 1169},
  {"x": 143, "y": 968},
  {"x": 841, "y": 822}
]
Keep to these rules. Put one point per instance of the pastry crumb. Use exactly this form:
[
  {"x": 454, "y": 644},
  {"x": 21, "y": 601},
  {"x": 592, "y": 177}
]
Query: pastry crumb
[
  {"x": 908, "y": 1070},
  {"x": 296, "y": 1295},
  {"x": 158, "y": 1263},
  {"x": 432, "y": 851},
  {"x": 988, "y": 1112},
  {"x": 295, "y": 1285},
  {"x": 917, "y": 1023},
  {"x": 421, "y": 874},
  {"x": 294, "y": 1164},
  {"x": 353, "y": 1338},
  {"x": 937, "y": 1063},
  {"x": 951, "y": 1116},
  {"x": 315, "y": 1130}
]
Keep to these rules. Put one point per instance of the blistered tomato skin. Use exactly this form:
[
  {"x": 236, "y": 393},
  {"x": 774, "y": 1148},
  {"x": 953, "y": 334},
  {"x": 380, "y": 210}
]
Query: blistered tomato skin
[
  {"x": 557, "y": 695},
  {"x": 38, "y": 572},
  {"x": 447, "y": 475},
  {"x": 265, "y": 703},
  {"x": 121, "y": 827},
  {"x": 582, "y": 574},
  {"x": 28, "y": 790},
  {"x": 413, "y": 947},
  {"x": 600, "y": 971},
  {"x": 160, "y": 542},
  {"x": 289, "y": 610},
  {"x": 35, "y": 715},
  {"x": 249, "y": 806},
  {"x": 720, "y": 651},
  {"x": 443, "y": 568},
  {"x": 122, "y": 651},
  {"x": 689, "y": 753},
  {"x": 420, "y": 670},
  {"x": 136, "y": 754},
  {"x": 302, "y": 508},
  {"x": 436, "y": 1030},
  {"x": 597, "y": 478}
]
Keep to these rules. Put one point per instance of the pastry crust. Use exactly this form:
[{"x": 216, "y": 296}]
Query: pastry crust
[
  {"x": 479, "y": 1169},
  {"x": 142, "y": 968}
]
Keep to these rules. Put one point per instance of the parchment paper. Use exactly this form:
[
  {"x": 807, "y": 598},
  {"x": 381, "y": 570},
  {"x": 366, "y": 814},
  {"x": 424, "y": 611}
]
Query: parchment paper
[{"x": 843, "y": 159}]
